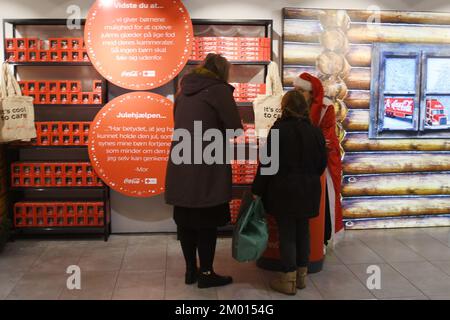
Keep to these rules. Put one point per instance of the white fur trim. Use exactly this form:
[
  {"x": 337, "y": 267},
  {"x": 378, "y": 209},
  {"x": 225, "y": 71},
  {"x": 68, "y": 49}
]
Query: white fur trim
[
  {"x": 327, "y": 101},
  {"x": 303, "y": 84}
]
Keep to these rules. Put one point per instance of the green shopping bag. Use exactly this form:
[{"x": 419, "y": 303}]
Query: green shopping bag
[{"x": 250, "y": 235}]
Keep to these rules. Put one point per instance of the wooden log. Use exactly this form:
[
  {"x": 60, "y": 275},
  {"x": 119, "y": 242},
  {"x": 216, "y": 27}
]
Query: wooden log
[
  {"x": 309, "y": 31},
  {"x": 396, "y": 184},
  {"x": 398, "y": 222},
  {"x": 358, "y": 99},
  {"x": 358, "y": 79},
  {"x": 358, "y": 142},
  {"x": 357, "y": 120},
  {"x": 399, "y": 33},
  {"x": 306, "y": 54},
  {"x": 434, "y": 18},
  {"x": 302, "y": 31},
  {"x": 394, "y": 207},
  {"x": 396, "y": 162}
]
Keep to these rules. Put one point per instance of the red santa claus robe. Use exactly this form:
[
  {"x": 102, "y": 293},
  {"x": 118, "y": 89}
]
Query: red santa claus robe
[{"x": 323, "y": 115}]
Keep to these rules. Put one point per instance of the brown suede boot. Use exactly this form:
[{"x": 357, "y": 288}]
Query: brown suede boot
[
  {"x": 285, "y": 283},
  {"x": 301, "y": 277}
]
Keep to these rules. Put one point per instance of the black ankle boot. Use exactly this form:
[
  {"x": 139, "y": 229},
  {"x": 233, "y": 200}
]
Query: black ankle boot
[
  {"x": 211, "y": 279},
  {"x": 191, "y": 276}
]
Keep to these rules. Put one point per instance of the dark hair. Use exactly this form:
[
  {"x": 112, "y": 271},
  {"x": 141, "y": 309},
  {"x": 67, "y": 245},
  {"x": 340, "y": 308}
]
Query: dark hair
[
  {"x": 217, "y": 65},
  {"x": 294, "y": 105}
]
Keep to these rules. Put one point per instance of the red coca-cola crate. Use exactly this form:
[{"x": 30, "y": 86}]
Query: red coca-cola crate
[
  {"x": 44, "y": 55},
  {"x": 55, "y": 56},
  {"x": 22, "y": 44},
  {"x": 75, "y": 86},
  {"x": 23, "y": 87},
  {"x": 33, "y": 55},
  {"x": 32, "y": 43},
  {"x": 11, "y": 44},
  {"x": 75, "y": 43}
]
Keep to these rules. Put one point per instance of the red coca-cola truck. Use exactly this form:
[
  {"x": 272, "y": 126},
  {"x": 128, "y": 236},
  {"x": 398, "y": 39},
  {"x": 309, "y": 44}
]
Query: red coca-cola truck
[
  {"x": 399, "y": 107},
  {"x": 435, "y": 113}
]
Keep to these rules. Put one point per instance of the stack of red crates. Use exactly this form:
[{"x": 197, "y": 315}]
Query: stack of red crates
[
  {"x": 62, "y": 133},
  {"x": 51, "y": 50},
  {"x": 247, "y": 92},
  {"x": 244, "y": 171},
  {"x": 61, "y": 92},
  {"x": 235, "y": 205},
  {"x": 249, "y": 135},
  {"x": 58, "y": 214},
  {"x": 54, "y": 174},
  {"x": 233, "y": 48}
]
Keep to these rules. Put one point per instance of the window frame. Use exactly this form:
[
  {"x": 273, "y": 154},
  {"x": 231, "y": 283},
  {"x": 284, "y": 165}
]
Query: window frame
[{"x": 422, "y": 52}]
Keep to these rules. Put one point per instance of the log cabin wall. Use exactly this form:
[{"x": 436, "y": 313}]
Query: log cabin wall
[{"x": 387, "y": 183}]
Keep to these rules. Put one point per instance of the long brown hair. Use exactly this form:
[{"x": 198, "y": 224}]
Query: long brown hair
[
  {"x": 217, "y": 65},
  {"x": 294, "y": 105}
]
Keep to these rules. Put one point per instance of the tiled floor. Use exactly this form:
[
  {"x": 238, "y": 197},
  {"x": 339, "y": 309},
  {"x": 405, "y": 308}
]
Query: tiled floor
[{"x": 414, "y": 264}]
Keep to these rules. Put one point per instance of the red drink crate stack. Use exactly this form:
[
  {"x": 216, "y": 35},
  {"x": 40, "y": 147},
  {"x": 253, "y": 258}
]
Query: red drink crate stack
[
  {"x": 235, "y": 205},
  {"x": 62, "y": 133},
  {"x": 244, "y": 171},
  {"x": 233, "y": 48},
  {"x": 247, "y": 92},
  {"x": 249, "y": 135},
  {"x": 58, "y": 214},
  {"x": 61, "y": 92},
  {"x": 51, "y": 50},
  {"x": 54, "y": 174}
]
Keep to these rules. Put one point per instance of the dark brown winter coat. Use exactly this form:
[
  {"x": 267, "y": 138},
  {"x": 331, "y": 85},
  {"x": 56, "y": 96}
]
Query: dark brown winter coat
[
  {"x": 295, "y": 190},
  {"x": 202, "y": 97}
]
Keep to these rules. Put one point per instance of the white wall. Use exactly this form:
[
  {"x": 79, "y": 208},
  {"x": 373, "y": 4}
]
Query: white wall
[{"x": 152, "y": 215}]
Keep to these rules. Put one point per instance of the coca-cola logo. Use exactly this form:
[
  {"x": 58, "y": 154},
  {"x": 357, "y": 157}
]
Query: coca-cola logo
[{"x": 399, "y": 104}]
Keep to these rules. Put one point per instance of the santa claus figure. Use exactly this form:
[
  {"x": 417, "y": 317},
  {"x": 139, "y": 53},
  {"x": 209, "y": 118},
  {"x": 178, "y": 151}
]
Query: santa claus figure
[{"x": 323, "y": 116}]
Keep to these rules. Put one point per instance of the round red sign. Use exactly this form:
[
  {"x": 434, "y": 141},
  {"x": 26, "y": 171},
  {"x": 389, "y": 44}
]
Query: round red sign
[
  {"x": 129, "y": 143},
  {"x": 138, "y": 44}
]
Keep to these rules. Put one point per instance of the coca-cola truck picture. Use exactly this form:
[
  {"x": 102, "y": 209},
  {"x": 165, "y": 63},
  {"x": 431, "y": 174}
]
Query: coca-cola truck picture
[
  {"x": 402, "y": 108},
  {"x": 435, "y": 113}
]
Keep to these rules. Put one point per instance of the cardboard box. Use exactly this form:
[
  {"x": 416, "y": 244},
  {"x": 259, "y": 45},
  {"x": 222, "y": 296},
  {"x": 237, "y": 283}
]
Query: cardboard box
[
  {"x": 54, "y": 98},
  {"x": 43, "y": 86},
  {"x": 76, "y": 43},
  {"x": 11, "y": 55},
  {"x": 63, "y": 86},
  {"x": 97, "y": 86},
  {"x": 21, "y": 44},
  {"x": 53, "y": 87},
  {"x": 54, "y": 44},
  {"x": 75, "y": 56},
  {"x": 11, "y": 44},
  {"x": 33, "y": 43},
  {"x": 64, "y": 56},
  {"x": 43, "y": 55},
  {"x": 31, "y": 87},
  {"x": 55, "y": 56},
  {"x": 43, "y": 98},
  {"x": 64, "y": 98},
  {"x": 33, "y": 56},
  {"x": 75, "y": 98},
  {"x": 86, "y": 98},
  {"x": 96, "y": 98},
  {"x": 22, "y": 55},
  {"x": 75, "y": 86},
  {"x": 64, "y": 44}
]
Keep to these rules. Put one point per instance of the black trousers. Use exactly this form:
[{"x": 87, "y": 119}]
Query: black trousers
[
  {"x": 294, "y": 242},
  {"x": 201, "y": 240}
]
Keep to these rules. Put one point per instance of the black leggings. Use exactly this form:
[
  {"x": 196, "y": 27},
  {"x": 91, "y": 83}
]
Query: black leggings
[
  {"x": 294, "y": 242},
  {"x": 202, "y": 240}
]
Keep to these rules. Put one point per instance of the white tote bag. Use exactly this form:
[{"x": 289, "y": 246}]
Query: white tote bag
[
  {"x": 267, "y": 107},
  {"x": 16, "y": 111}
]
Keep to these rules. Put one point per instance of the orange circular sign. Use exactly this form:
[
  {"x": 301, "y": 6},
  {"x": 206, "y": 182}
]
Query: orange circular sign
[
  {"x": 138, "y": 44},
  {"x": 129, "y": 143}
]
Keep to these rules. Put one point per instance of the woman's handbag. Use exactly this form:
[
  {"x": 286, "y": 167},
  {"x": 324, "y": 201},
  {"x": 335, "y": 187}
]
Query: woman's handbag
[
  {"x": 16, "y": 111},
  {"x": 251, "y": 234}
]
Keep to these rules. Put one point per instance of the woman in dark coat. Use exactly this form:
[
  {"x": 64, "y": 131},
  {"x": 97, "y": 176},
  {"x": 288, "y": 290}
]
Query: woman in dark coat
[
  {"x": 293, "y": 194},
  {"x": 201, "y": 192}
]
